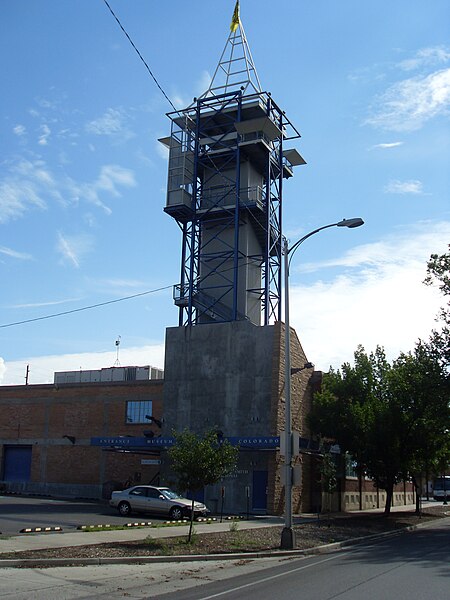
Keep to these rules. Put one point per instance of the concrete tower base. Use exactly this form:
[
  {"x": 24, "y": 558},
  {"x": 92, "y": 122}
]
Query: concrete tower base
[{"x": 230, "y": 376}]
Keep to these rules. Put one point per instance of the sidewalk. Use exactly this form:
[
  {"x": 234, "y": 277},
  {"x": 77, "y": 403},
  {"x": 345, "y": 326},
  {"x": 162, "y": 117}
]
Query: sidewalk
[{"x": 41, "y": 541}]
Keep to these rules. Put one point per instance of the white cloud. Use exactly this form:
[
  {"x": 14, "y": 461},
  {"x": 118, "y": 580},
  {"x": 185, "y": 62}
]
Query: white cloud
[
  {"x": 73, "y": 247},
  {"x": 19, "y": 130},
  {"x": 29, "y": 182},
  {"x": 413, "y": 186},
  {"x": 111, "y": 123},
  {"x": 121, "y": 284},
  {"x": 379, "y": 299},
  {"x": 42, "y": 368},
  {"x": 17, "y": 196},
  {"x": 113, "y": 175},
  {"x": 14, "y": 254},
  {"x": 45, "y": 134},
  {"x": 388, "y": 145},
  {"x": 48, "y": 303},
  {"x": 110, "y": 177},
  {"x": 409, "y": 104},
  {"x": 426, "y": 57}
]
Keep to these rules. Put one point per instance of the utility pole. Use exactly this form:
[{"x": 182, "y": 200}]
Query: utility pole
[{"x": 27, "y": 374}]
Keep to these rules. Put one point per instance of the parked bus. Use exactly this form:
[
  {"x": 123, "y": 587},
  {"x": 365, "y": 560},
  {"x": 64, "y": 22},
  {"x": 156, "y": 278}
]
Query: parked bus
[{"x": 441, "y": 488}]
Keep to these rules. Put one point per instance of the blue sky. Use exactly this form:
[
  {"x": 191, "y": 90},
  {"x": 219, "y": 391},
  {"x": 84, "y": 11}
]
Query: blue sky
[{"x": 82, "y": 176}]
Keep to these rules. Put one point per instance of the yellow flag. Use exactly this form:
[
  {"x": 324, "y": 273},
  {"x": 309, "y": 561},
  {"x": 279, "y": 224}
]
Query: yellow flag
[{"x": 235, "y": 18}]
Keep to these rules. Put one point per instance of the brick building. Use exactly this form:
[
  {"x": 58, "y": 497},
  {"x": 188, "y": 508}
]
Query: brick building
[{"x": 46, "y": 431}]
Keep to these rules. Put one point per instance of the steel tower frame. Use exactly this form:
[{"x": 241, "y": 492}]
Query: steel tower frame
[{"x": 207, "y": 259}]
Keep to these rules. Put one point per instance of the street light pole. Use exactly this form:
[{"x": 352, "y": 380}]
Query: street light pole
[{"x": 288, "y": 534}]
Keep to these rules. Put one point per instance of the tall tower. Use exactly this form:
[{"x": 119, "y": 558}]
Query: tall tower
[{"x": 227, "y": 164}]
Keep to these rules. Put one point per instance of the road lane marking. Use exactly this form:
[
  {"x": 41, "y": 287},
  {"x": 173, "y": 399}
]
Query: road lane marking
[{"x": 271, "y": 577}]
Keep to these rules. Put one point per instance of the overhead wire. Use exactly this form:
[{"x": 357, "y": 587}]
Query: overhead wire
[
  {"x": 100, "y": 304},
  {"x": 141, "y": 57},
  {"x": 75, "y": 310}
]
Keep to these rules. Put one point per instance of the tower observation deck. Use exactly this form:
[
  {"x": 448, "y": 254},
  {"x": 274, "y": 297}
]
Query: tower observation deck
[{"x": 227, "y": 164}]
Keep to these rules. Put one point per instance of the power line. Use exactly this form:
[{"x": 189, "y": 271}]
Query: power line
[
  {"x": 75, "y": 310},
  {"x": 141, "y": 57},
  {"x": 83, "y": 308}
]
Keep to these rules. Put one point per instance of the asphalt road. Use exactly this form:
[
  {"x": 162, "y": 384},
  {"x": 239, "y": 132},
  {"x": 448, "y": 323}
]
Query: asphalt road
[
  {"x": 17, "y": 513},
  {"x": 414, "y": 565}
]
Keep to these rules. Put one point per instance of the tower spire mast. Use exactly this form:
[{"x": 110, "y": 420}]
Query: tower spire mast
[{"x": 236, "y": 68}]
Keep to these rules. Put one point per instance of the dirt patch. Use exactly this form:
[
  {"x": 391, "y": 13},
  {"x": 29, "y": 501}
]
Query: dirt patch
[{"x": 238, "y": 539}]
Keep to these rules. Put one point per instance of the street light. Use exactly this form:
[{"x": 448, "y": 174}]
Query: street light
[{"x": 288, "y": 535}]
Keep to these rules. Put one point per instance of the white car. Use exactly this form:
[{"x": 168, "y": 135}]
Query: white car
[{"x": 156, "y": 500}]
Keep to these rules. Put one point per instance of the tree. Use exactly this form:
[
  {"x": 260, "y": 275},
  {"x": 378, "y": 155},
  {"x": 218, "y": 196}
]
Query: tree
[
  {"x": 198, "y": 461},
  {"x": 343, "y": 409},
  {"x": 391, "y": 418},
  {"x": 438, "y": 273}
]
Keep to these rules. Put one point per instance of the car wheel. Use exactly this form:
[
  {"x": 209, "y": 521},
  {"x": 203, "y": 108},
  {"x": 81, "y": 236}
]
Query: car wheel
[
  {"x": 124, "y": 509},
  {"x": 176, "y": 513}
]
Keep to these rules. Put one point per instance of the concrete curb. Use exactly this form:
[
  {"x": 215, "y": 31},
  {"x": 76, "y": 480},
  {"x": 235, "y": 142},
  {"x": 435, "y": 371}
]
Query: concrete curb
[{"x": 324, "y": 549}]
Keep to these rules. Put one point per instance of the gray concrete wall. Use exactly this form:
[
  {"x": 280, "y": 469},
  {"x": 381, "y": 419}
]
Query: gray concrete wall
[{"x": 220, "y": 375}]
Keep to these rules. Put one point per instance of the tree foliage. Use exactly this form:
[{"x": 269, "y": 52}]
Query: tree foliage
[
  {"x": 391, "y": 418},
  {"x": 438, "y": 274},
  {"x": 198, "y": 460},
  {"x": 201, "y": 460}
]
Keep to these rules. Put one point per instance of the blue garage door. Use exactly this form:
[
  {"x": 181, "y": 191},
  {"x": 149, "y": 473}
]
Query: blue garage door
[{"x": 17, "y": 463}]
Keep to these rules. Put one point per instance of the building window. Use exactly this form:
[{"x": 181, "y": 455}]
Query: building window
[
  {"x": 351, "y": 466},
  {"x": 138, "y": 410}
]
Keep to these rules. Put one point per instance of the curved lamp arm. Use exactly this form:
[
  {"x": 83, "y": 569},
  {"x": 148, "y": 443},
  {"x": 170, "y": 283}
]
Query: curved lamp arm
[{"x": 350, "y": 223}]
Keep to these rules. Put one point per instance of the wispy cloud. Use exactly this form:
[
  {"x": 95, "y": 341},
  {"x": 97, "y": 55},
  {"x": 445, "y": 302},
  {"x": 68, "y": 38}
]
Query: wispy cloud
[
  {"x": 413, "y": 186},
  {"x": 426, "y": 57},
  {"x": 19, "y": 130},
  {"x": 14, "y": 254},
  {"x": 409, "y": 104},
  {"x": 73, "y": 247},
  {"x": 110, "y": 178},
  {"x": 123, "y": 283},
  {"x": 120, "y": 287},
  {"x": 387, "y": 145},
  {"x": 21, "y": 191},
  {"x": 111, "y": 123},
  {"x": 44, "y": 135},
  {"x": 48, "y": 303},
  {"x": 31, "y": 184}
]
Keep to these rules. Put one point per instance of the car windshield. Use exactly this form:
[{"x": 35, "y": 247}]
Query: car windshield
[{"x": 170, "y": 494}]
